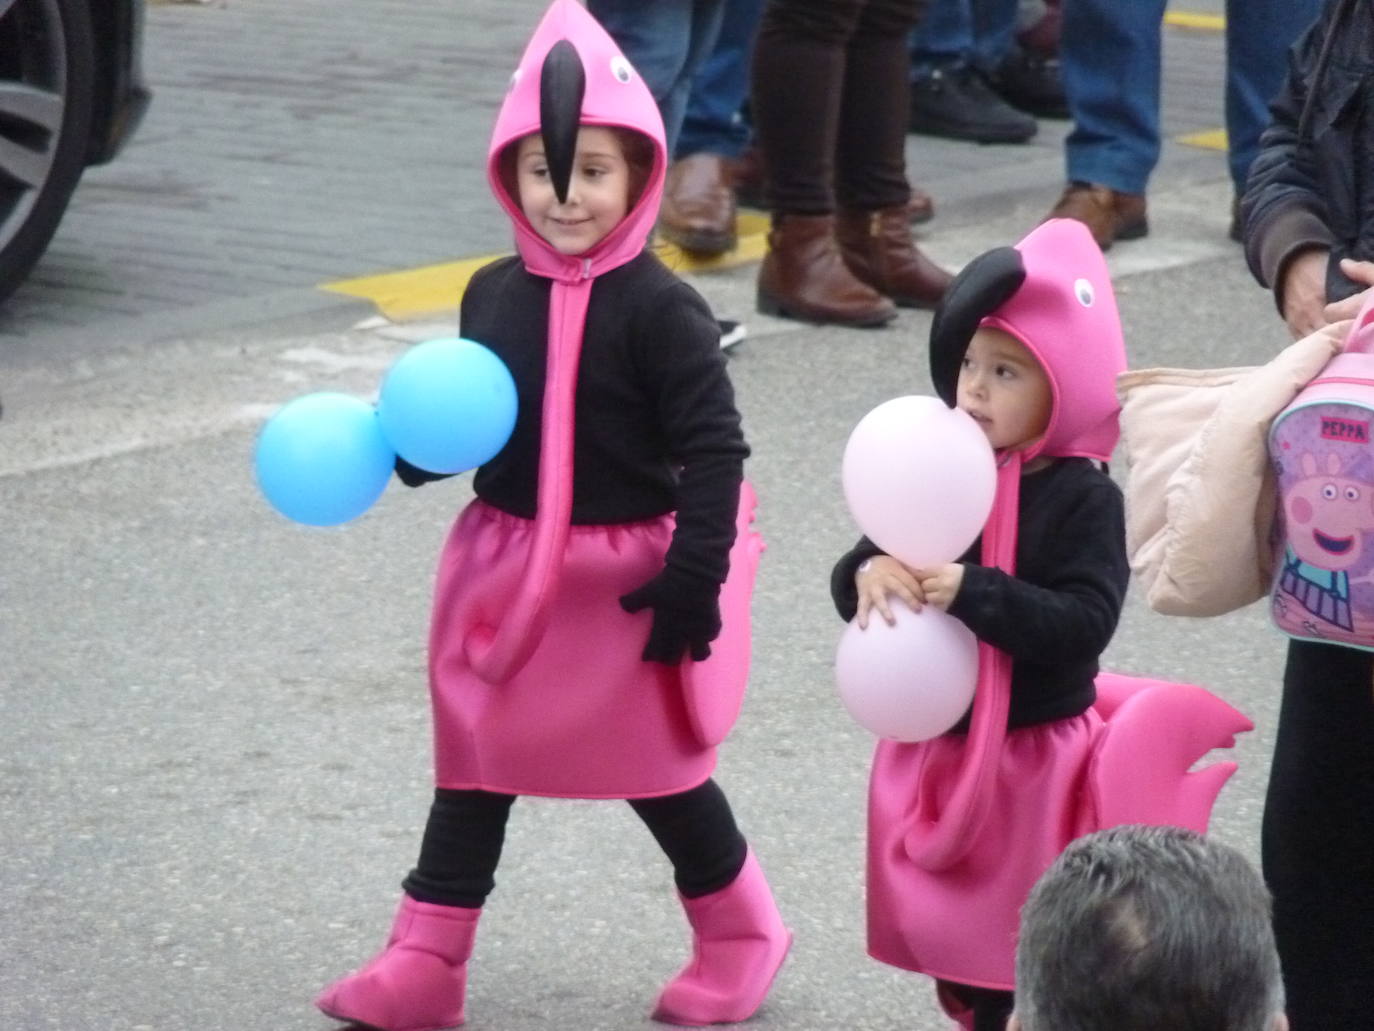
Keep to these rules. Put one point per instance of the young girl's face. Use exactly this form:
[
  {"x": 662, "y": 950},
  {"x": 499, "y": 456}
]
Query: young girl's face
[
  {"x": 598, "y": 190},
  {"x": 1005, "y": 389}
]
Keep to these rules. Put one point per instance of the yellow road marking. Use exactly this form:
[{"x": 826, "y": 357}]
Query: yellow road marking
[
  {"x": 1210, "y": 139},
  {"x": 413, "y": 293},
  {"x": 432, "y": 289},
  {"x": 1189, "y": 20}
]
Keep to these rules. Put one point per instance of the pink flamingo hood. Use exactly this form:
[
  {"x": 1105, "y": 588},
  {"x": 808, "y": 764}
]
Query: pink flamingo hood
[
  {"x": 1065, "y": 313},
  {"x": 572, "y": 73},
  {"x": 1052, "y": 292},
  {"x": 615, "y": 96}
]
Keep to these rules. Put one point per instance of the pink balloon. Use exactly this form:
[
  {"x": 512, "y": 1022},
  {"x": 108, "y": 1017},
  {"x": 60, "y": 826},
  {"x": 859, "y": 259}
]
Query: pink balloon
[
  {"x": 919, "y": 478},
  {"x": 908, "y": 682}
]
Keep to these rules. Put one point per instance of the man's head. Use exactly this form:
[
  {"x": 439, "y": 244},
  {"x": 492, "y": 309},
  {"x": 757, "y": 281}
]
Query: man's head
[{"x": 1143, "y": 928}]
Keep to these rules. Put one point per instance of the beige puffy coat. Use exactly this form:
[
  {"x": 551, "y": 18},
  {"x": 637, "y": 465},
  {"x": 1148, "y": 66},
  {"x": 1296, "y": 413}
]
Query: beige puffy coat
[{"x": 1200, "y": 490}]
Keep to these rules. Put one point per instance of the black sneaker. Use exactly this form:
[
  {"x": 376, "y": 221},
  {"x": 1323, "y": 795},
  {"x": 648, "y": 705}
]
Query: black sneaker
[
  {"x": 731, "y": 333},
  {"x": 958, "y": 103},
  {"x": 1032, "y": 83}
]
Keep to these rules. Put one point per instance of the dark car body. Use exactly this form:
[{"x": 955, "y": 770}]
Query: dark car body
[
  {"x": 72, "y": 93},
  {"x": 122, "y": 94}
]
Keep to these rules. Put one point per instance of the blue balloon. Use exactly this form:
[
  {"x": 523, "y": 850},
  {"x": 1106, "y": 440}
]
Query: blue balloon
[
  {"x": 322, "y": 459},
  {"x": 447, "y": 405}
]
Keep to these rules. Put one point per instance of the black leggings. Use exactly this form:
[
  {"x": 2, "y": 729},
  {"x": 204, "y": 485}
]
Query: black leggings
[
  {"x": 466, "y": 829},
  {"x": 1318, "y": 839}
]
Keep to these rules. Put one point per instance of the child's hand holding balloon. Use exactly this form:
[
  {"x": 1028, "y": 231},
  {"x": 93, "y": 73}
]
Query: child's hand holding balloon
[
  {"x": 940, "y": 584},
  {"x": 879, "y": 578}
]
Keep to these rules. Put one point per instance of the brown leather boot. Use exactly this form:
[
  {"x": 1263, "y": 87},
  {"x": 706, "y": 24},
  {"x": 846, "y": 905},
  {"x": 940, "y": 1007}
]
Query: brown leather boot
[
  {"x": 698, "y": 211},
  {"x": 878, "y": 248},
  {"x": 804, "y": 277}
]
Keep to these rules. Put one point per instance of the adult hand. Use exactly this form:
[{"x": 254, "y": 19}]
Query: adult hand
[
  {"x": 940, "y": 584},
  {"x": 879, "y": 577},
  {"x": 1359, "y": 272},
  {"x": 1304, "y": 292}
]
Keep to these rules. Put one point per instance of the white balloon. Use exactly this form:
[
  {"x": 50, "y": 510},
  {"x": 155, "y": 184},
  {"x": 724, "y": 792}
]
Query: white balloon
[
  {"x": 908, "y": 682},
  {"x": 919, "y": 478}
]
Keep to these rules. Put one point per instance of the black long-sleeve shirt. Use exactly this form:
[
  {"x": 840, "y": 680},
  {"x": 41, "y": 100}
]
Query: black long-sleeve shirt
[
  {"x": 656, "y": 428},
  {"x": 1058, "y": 613}
]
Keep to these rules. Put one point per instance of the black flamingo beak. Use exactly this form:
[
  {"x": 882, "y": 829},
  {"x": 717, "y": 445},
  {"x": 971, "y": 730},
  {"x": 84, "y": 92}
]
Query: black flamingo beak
[
  {"x": 983, "y": 286},
  {"x": 562, "y": 84}
]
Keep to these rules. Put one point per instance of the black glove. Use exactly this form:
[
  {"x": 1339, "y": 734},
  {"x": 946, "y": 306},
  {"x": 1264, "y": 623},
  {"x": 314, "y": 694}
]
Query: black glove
[
  {"x": 686, "y": 615},
  {"x": 414, "y": 476}
]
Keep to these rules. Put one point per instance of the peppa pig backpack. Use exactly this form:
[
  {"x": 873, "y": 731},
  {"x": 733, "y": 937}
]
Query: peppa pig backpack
[{"x": 1323, "y": 458}]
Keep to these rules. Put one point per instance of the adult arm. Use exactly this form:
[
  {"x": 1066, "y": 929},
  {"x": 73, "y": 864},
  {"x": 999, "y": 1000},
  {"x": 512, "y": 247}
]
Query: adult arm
[{"x": 1286, "y": 224}]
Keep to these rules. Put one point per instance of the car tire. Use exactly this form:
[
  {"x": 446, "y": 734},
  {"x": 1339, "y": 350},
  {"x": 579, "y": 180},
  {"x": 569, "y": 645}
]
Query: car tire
[{"x": 47, "y": 132}]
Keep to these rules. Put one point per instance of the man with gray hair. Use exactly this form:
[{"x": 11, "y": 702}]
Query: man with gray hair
[{"x": 1147, "y": 928}]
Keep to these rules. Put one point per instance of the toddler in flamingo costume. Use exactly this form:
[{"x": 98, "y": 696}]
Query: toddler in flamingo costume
[
  {"x": 581, "y": 644},
  {"x": 1028, "y": 342}
]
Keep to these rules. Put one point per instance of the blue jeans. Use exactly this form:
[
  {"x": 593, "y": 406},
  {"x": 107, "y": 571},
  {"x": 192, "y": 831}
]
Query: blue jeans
[
  {"x": 666, "y": 41},
  {"x": 1110, "y": 51},
  {"x": 713, "y": 123},
  {"x": 953, "y": 32}
]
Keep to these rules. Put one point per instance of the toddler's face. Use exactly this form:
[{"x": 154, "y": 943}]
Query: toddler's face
[
  {"x": 1005, "y": 389},
  {"x": 598, "y": 190}
]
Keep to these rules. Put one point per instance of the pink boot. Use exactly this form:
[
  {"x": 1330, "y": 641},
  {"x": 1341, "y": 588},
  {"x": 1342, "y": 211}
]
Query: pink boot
[
  {"x": 738, "y": 945},
  {"x": 417, "y": 982}
]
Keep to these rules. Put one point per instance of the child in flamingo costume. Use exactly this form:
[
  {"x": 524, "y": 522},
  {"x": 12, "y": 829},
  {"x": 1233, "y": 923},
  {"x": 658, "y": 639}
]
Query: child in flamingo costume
[
  {"x": 1027, "y": 341},
  {"x": 581, "y": 643}
]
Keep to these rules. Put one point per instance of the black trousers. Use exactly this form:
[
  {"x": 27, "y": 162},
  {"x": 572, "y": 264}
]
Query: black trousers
[
  {"x": 1318, "y": 839},
  {"x": 466, "y": 829},
  {"x": 830, "y": 100}
]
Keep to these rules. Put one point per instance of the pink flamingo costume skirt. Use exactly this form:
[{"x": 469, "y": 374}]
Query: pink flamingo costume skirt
[
  {"x": 1131, "y": 758},
  {"x": 960, "y": 924},
  {"x": 585, "y": 717}
]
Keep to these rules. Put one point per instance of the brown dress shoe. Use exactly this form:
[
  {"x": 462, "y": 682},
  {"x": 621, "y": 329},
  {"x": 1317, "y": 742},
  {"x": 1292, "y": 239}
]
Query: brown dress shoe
[
  {"x": 878, "y": 249},
  {"x": 804, "y": 277},
  {"x": 698, "y": 212},
  {"x": 1109, "y": 215}
]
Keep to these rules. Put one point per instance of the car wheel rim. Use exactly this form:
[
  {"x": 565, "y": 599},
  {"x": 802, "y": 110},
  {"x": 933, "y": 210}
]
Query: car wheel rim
[{"x": 33, "y": 88}]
